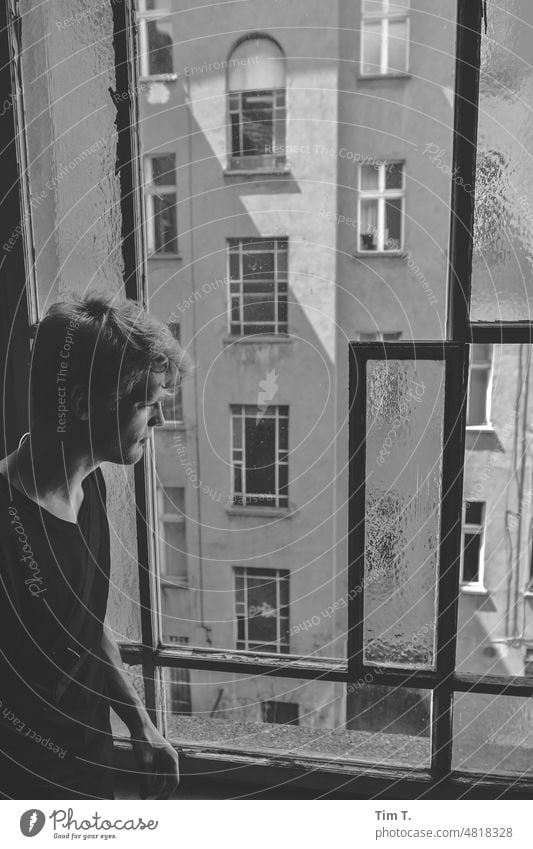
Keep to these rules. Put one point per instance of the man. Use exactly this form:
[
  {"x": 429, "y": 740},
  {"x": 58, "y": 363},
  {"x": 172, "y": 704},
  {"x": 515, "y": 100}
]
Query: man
[{"x": 100, "y": 370}]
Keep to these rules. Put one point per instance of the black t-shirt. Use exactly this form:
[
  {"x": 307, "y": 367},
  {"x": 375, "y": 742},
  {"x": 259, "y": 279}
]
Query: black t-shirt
[{"x": 55, "y": 737}]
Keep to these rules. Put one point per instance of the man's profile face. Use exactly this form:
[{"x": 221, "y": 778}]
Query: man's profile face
[{"x": 121, "y": 434}]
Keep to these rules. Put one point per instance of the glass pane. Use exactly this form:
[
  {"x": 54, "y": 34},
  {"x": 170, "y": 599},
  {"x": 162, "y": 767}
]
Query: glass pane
[
  {"x": 160, "y": 39},
  {"x": 164, "y": 170},
  {"x": 165, "y": 224},
  {"x": 394, "y": 175},
  {"x": 354, "y": 722},
  {"x": 478, "y": 384},
  {"x": 495, "y": 625},
  {"x": 397, "y": 60},
  {"x": 369, "y": 225},
  {"x": 471, "y": 558},
  {"x": 493, "y": 734},
  {"x": 371, "y": 47},
  {"x": 370, "y": 177},
  {"x": 174, "y": 553},
  {"x": 502, "y": 279},
  {"x": 405, "y": 407},
  {"x": 393, "y": 224}
]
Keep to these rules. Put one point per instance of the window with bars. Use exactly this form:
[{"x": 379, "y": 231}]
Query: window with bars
[
  {"x": 479, "y": 386},
  {"x": 161, "y": 213},
  {"x": 256, "y": 104},
  {"x": 472, "y": 554},
  {"x": 262, "y": 609},
  {"x": 156, "y": 38},
  {"x": 381, "y": 206},
  {"x": 384, "y": 37},
  {"x": 258, "y": 283},
  {"x": 260, "y": 455}
]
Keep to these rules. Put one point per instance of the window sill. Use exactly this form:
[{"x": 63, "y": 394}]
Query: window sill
[
  {"x": 401, "y": 254},
  {"x": 158, "y": 78},
  {"x": 170, "y": 425},
  {"x": 488, "y": 428},
  {"x": 398, "y": 75},
  {"x": 259, "y": 339},
  {"x": 472, "y": 589},
  {"x": 256, "y": 172},
  {"x": 263, "y": 512},
  {"x": 164, "y": 256}
]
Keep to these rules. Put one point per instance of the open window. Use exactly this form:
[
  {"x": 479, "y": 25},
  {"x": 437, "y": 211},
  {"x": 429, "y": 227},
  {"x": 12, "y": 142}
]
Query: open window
[{"x": 369, "y": 663}]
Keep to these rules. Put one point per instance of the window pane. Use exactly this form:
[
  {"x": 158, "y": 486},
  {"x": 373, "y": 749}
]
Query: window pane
[
  {"x": 471, "y": 557},
  {"x": 502, "y": 282},
  {"x": 135, "y": 675},
  {"x": 370, "y": 177},
  {"x": 369, "y": 225},
  {"x": 173, "y": 540},
  {"x": 165, "y": 231},
  {"x": 164, "y": 170},
  {"x": 495, "y": 629},
  {"x": 397, "y": 60},
  {"x": 493, "y": 734},
  {"x": 394, "y": 175},
  {"x": 256, "y": 63},
  {"x": 393, "y": 225},
  {"x": 371, "y": 47},
  {"x": 257, "y": 123},
  {"x": 159, "y": 47},
  {"x": 478, "y": 384},
  {"x": 405, "y": 409},
  {"x": 260, "y": 448},
  {"x": 354, "y": 722}
]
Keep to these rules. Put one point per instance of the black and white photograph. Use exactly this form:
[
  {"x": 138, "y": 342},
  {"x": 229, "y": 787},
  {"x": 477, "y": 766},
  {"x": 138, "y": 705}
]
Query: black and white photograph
[{"x": 266, "y": 460}]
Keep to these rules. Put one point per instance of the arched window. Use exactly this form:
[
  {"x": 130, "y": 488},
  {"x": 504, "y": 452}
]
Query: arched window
[{"x": 256, "y": 92}]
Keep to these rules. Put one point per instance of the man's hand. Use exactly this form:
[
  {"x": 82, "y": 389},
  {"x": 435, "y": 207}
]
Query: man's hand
[{"x": 159, "y": 762}]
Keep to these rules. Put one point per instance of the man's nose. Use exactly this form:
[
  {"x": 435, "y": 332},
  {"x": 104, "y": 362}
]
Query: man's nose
[{"x": 158, "y": 418}]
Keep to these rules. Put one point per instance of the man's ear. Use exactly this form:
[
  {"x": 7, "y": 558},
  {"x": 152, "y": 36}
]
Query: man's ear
[{"x": 79, "y": 401}]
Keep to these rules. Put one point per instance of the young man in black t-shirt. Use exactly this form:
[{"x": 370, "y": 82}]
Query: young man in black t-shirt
[{"x": 100, "y": 370}]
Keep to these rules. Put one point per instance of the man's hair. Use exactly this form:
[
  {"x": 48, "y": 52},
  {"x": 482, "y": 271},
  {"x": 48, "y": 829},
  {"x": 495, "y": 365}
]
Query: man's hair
[{"x": 105, "y": 343}]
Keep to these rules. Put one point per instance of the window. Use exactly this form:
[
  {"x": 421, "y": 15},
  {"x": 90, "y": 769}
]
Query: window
[
  {"x": 258, "y": 278},
  {"x": 156, "y": 38},
  {"x": 380, "y": 336},
  {"x": 256, "y": 97},
  {"x": 479, "y": 386},
  {"x": 260, "y": 443},
  {"x": 384, "y": 37},
  {"x": 172, "y": 550},
  {"x": 473, "y": 544},
  {"x": 282, "y": 713},
  {"x": 381, "y": 198},
  {"x": 262, "y": 609},
  {"x": 161, "y": 218},
  {"x": 172, "y": 405}
]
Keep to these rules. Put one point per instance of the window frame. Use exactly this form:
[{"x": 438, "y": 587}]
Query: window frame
[
  {"x": 237, "y": 287},
  {"x": 144, "y": 17},
  {"x": 479, "y": 530},
  {"x": 243, "y": 412},
  {"x": 150, "y": 652},
  {"x": 488, "y": 365},
  {"x": 384, "y": 18},
  {"x": 151, "y": 190},
  {"x": 270, "y": 575},
  {"x": 381, "y": 195}
]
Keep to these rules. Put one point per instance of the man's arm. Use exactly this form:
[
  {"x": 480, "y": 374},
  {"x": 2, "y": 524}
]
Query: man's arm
[{"x": 157, "y": 758}]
